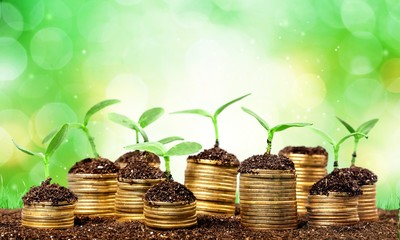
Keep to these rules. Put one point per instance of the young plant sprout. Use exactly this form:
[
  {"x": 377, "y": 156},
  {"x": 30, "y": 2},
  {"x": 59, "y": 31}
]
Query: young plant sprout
[
  {"x": 364, "y": 129},
  {"x": 273, "y": 130},
  {"x": 84, "y": 126},
  {"x": 213, "y": 118},
  {"x": 336, "y": 145},
  {"x": 56, "y": 141},
  {"x": 158, "y": 148},
  {"x": 145, "y": 119}
]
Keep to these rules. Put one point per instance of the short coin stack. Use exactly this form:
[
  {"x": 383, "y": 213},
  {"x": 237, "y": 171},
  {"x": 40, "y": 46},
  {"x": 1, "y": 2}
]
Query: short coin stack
[
  {"x": 129, "y": 197},
  {"x": 213, "y": 185},
  {"x": 309, "y": 169},
  {"x": 367, "y": 204},
  {"x": 268, "y": 200},
  {"x": 96, "y": 193},
  {"x": 336, "y": 209}
]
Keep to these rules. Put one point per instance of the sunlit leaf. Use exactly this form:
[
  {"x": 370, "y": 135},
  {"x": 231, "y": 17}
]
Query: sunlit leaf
[
  {"x": 56, "y": 141},
  {"x": 285, "y": 126},
  {"x": 367, "y": 126},
  {"x": 348, "y": 127},
  {"x": 325, "y": 136},
  {"x": 184, "y": 148},
  {"x": 259, "y": 119},
  {"x": 220, "y": 109},
  {"x": 200, "y": 112},
  {"x": 97, "y": 107},
  {"x": 170, "y": 139},
  {"x": 24, "y": 150},
  {"x": 153, "y": 147},
  {"x": 355, "y": 134},
  {"x": 150, "y": 116}
]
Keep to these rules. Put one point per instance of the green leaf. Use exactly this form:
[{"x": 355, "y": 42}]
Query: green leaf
[
  {"x": 24, "y": 150},
  {"x": 259, "y": 119},
  {"x": 324, "y": 135},
  {"x": 154, "y": 147},
  {"x": 127, "y": 122},
  {"x": 284, "y": 126},
  {"x": 367, "y": 126},
  {"x": 184, "y": 148},
  {"x": 99, "y": 106},
  {"x": 355, "y": 134},
  {"x": 150, "y": 116},
  {"x": 57, "y": 140},
  {"x": 200, "y": 112},
  {"x": 220, "y": 109},
  {"x": 52, "y": 133},
  {"x": 349, "y": 128},
  {"x": 170, "y": 139}
]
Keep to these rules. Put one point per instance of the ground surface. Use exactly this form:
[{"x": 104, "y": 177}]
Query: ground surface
[{"x": 208, "y": 228}]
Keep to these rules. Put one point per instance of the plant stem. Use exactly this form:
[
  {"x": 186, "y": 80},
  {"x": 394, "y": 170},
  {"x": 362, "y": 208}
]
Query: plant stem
[
  {"x": 167, "y": 167},
  {"x": 269, "y": 142},
  {"x": 46, "y": 167},
  {"x": 354, "y": 155},
  {"x": 215, "y": 123},
  {"x": 91, "y": 141},
  {"x": 137, "y": 137},
  {"x": 336, "y": 155}
]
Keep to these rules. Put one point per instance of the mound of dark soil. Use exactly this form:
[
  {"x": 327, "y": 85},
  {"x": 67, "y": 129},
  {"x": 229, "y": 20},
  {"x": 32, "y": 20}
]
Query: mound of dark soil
[
  {"x": 339, "y": 180},
  {"x": 94, "y": 166},
  {"x": 363, "y": 176},
  {"x": 48, "y": 192},
  {"x": 219, "y": 155},
  {"x": 140, "y": 170},
  {"x": 304, "y": 150},
  {"x": 169, "y": 191},
  {"x": 139, "y": 156},
  {"x": 265, "y": 161}
]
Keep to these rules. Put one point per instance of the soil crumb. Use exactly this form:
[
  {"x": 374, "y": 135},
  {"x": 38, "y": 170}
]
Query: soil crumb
[
  {"x": 140, "y": 170},
  {"x": 219, "y": 155},
  {"x": 169, "y": 191},
  {"x": 94, "y": 166},
  {"x": 339, "y": 180},
  {"x": 139, "y": 156},
  {"x": 265, "y": 161}
]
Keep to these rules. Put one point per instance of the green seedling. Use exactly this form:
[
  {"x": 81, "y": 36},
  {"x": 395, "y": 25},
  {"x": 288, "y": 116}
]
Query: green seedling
[
  {"x": 213, "y": 117},
  {"x": 363, "y": 128},
  {"x": 58, "y": 138},
  {"x": 158, "y": 148},
  {"x": 84, "y": 126},
  {"x": 273, "y": 130},
  {"x": 145, "y": 119},
  {"x": 336, "y": 145}
]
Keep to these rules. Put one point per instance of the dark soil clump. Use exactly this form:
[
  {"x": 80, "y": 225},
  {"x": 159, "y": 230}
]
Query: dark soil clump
[
  {"x": 169, "y": 191},
  {"x": 94, "y": 166},
  {"x": 339, "y": 180},
  {"x": 140, "y": 170},
  {"x": 265, "y": 161},
  {"x": 48, "y": 192},
  {"x": 219, "y": 155},
  {"x": 139, "y": 156},
  {"x": 363, "y": 176},
  {"x": 304, "y": 150}
]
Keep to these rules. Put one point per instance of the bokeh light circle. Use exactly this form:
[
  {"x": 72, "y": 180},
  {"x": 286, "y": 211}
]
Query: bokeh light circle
[
  {"x": 13, "y": 59},
  {"x": 363, "y": 93},
  {"x": 36, "y": 86},
  {"x": 128, "y": 2},
  {"x": 51, "y": 48},
  {"x": 7, "y": 147},
  {"x": 15, "y": 122},
  {"x": 311, "y": 91},
  {"x": 32, "y": 12},
  {"x": 358, "y": 16},
  {"x": 52, "y": 116},
  {"x": 191, "y": 13},
  {"x": 360, "y": 53},
  {"x": 390, "y": 75},
  {"x": 11, "y": 21}
]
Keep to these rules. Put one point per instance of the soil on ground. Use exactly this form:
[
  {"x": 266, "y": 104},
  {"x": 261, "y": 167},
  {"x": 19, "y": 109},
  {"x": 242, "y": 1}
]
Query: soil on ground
[
  {"x": 140, "y": 170},
  {"x": 208, "y": 227},
  {"x": 339, "y": 180},
  {"x": 363, "y": 176},
  {"x": 139, "y": 156},
  {"x": 169, "y": 191},
  {"x": 219, "y": 155},
  {"x": 94, "y": 166},
  {"x": 265, "y": 161},
  {"x": 49, "y": 192},
  {"x": 304, "y": 150}
]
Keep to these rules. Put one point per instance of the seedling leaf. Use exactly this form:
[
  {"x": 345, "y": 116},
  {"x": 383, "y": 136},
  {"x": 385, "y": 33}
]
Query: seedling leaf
[
  {"x": 97, "y": 107},
  {"x": 57, "y": 140},
  {"x": 355, "y": 134},
  {"x": 259, "y": 119},
  {"x": 282, "y": 127},
  {"x": 367, "y": 126},
  {"x": 24, "y": 150},
  {"x": 52, "y": 133},
  {"x": 349, "y": 128},
  {"x": 324, "y": 136},
  {"x": 123, "y": 120},
  {"x": 200, "y": 112},
  {"x": 150, "y": 116},
  {"x": 184, "y": 148},
  {"x": 154, "y": 147},
  {"x": 220, "y": 109},
  {"x": 170, "y": 139}
]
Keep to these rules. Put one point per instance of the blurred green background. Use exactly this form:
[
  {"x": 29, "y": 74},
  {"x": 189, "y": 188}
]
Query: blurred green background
[{"x": 302, "y": 60}]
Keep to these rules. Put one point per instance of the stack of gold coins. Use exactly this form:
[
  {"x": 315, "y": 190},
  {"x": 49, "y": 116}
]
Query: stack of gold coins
[
  {"x": 129, "y": 197},
  {"x": 336, "y": 209},
  {"x": 96, "y": 193},
  {"x": 268, "y": 200},
  {"x": 213, "y": 185},
  {"x": 367, "y": 204},
  {"x": 169, "y": 215},
  {"x": 48, "y": 215},
  {"x": 309, "y": 169}
]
